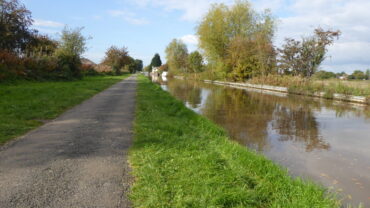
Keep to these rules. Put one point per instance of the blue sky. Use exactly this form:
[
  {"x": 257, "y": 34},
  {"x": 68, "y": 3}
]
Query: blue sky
[{"x": 147, "y": 26}]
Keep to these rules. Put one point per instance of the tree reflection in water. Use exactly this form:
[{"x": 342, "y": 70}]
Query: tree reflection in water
[{"x": 251, "y": 118}]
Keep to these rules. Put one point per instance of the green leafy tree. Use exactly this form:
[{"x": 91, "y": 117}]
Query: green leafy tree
[
  {"x": 72, "y": 42},
  {"x": 15, "y": 22},
  {"x": 195, "y": 62},
  {"x": 341, "y": 74},
  {"x": 148, "y": 68},
  {"x": 176, "y": 55},
  {"x": 324, "y": 75},
  {"x": 156, "y": 61},
  {"x": 117, "y": 58},
  {"x": 368, "y": 74},
  {"x": 138, "y": 65},
  {"x": 72, "y": 45},
  {"x": 224, "y": 27},
  {"x": 134, "y": 65},
  {"x": 358, "y": 74}
]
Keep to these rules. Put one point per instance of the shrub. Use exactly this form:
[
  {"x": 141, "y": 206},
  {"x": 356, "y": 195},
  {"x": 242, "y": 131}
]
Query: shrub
[
  {"x": 117, "y": 58},
  {"x": 11, "y": 66},
  {"x": 278, "y": 80},
  {"x": 195, "y": 62},
  {"x": 43, "y": 67},
  {"x": 89, "y": 70},
  {"x": 68, "y": 67}
]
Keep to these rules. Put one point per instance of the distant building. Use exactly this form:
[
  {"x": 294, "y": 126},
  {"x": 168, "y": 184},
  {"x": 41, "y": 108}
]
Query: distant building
[
  {"x": 343, "y": 77},
  {"x": 155, "y": 71}
]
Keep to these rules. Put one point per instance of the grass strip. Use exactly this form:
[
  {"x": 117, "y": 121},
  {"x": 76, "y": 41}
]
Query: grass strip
[
  {"x": 24, "y": 105},
  {"x": 181, "y": 159}
]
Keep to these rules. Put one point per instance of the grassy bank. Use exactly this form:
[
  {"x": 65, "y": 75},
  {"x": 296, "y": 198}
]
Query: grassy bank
[
  {"x": 303, "y": 86},
  {"x": 25, "y": 104},
  {"x": 181, "y": 159}
]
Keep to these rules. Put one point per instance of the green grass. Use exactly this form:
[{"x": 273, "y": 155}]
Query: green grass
[
  {"x": 353, "y": 87},
  {"x": 181, "y": 159},
  {"x": 302, "y": 86},
  {"x": 25, "y": 104}
]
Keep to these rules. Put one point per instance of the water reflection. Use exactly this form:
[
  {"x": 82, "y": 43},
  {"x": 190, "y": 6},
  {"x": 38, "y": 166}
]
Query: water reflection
[
  {"x": 250, "y": 117},
  {"x": 320, "y": 139},
  {"x": 299, "y": 125}
]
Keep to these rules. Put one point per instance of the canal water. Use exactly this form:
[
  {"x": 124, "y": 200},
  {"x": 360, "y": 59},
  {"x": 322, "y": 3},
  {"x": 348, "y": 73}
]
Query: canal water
[{"x": 321, "y": 140}]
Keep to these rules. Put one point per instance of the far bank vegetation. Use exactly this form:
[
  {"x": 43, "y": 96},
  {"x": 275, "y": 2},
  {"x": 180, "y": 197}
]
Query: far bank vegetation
[{"x": 236, "y": 44}]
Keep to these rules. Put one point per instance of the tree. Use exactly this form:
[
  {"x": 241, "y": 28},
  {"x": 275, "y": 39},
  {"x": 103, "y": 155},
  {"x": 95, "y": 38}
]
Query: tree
[
  {"x": 156, "y": 61},
  {"x": 324, "y": 75},
  {"x": 72, "y": 45},
  {"x": 304, "y": 57},
  {"x": 15, "y": 21},
  {"x": 340, "y": 74},
  {"x": 72, "y": 42},
  {"x": 41, "y": 45},
  {"x": 163, "y": 68},
  {"x": 223, "y": 28},
  {"x": 357, "y": 74},
  {"x": 242, "y": 58},
  {"x": 195, "y": 62},
  {"x": 176, "y": 55},
  {"x": 368, "y": 74},
  {"x": 148, "y": 68},
  {"x": 138, "y": 65},
  {"x": 117, "y": 58}
]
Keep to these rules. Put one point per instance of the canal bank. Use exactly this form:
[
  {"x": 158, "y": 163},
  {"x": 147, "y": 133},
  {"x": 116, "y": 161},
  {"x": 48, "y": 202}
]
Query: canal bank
[
  {"x": 319, "y": 139},
  {"x": 327, "y": 95},
  {"x": 181, "y": 159}
]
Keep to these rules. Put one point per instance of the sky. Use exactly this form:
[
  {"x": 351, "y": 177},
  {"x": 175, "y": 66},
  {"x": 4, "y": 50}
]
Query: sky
[{"x": 146, "y": 27}]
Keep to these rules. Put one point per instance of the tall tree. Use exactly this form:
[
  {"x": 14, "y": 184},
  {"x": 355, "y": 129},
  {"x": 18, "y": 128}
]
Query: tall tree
[
  {"x": 15, "y": 22},
  {"x": 156, "y": 61},
  {"x": 72, "y": 42},
  {"x": 195, "y": 62},
  {"x": 72, "y": 45},
  {"x": 176, "y": 55},
  {"x": 358, "y": 74},
  {"x": 224, "y": 27},
  {"x": 117, "y": 58},
  {"x": 305, "y": 57},
  {"x": 139, "y": 65}
]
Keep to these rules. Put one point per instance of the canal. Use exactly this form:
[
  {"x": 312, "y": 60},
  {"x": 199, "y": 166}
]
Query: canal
[{"x": 321, "y": 140}]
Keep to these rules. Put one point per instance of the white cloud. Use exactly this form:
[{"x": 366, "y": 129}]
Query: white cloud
[
  {"x": 351, "y": 17},
  {"x": 273, "y": 5},
  {"x": 299, "y": 18},
  {"x": 128, "y": 17},
  {"x": 192, "y": 10},
  {"x": 190, "y": 39},
  {"x": 47, "y": 23}
]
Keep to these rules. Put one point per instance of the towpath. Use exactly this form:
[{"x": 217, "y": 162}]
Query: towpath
[{"x": 76, "y": 160}]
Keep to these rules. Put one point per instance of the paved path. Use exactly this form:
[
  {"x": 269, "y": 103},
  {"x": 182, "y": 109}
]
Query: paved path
[{"x": 77, "y": 160}]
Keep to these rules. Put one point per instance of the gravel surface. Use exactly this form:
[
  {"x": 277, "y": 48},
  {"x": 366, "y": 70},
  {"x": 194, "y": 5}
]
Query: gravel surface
[{"x": 76, "y": 160}]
